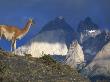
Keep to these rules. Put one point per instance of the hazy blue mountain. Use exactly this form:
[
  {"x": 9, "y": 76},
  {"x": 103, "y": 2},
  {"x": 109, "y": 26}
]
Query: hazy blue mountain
[
  {"x": 54, "y": 38},
  {"x": 59, "y": 23}
]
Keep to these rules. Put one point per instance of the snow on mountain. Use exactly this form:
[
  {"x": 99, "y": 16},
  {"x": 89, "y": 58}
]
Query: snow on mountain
[
  {"x": 75, "y": 55},
  {"x": 91, "y": 38},
  {"x": 100, "y": 66},
  {"x": 87, "y": 24},
  {"x": 53, "y": 39}
]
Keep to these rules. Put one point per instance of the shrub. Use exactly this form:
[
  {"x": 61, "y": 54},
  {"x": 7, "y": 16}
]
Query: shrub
[{"x": 47, "y": 59}]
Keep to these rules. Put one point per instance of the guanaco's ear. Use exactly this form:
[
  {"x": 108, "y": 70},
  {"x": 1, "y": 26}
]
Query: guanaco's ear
[{"x": 33, "y": 21}]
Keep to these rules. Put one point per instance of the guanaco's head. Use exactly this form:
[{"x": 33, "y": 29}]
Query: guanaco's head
[{"x": 31, "y": 21}]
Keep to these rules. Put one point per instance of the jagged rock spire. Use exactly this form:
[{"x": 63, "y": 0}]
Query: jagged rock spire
[{"x": 75, "y": 55}]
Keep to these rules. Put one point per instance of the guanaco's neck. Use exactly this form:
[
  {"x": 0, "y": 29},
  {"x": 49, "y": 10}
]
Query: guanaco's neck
[{"x": 26, "y": 28}]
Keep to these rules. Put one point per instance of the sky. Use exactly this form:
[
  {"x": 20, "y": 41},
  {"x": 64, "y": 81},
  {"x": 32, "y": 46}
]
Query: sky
[{"x": 17, "y": 12}]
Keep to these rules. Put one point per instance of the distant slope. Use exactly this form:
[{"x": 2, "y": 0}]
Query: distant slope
[
  {"x": 100, "y": 65},
  {"x": 94, "y": 44}
]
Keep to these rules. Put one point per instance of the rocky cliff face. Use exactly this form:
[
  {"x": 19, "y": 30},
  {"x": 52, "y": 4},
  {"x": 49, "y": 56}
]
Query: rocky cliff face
[
  {"x": 75, "y": 55},
  {"x": 100, "y": 66},
  {"x": 53, "y": 39},
  {"x": 94, "y": 44},
  {"x": 91, "y": 38}
]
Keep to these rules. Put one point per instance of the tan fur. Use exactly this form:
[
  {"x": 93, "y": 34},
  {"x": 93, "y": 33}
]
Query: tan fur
[{"x": 12, "y": 33}]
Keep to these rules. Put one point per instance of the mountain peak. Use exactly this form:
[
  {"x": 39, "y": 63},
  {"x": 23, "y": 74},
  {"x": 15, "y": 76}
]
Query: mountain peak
[
  {"x": 88, "y": 19},
  {"x": 60, "y": 17},
  {"x": 57, "y": 23},
  {"x": 87, "y": 24}
]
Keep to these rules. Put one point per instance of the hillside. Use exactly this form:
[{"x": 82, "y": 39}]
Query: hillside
[{"x": 15, "y": 68}]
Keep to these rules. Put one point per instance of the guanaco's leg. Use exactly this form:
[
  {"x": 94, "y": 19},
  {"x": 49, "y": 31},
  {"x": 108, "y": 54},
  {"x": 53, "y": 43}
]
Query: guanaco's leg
[
  {"x": 13, "y": 45},
  {"x": 1, "y": 34}
]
